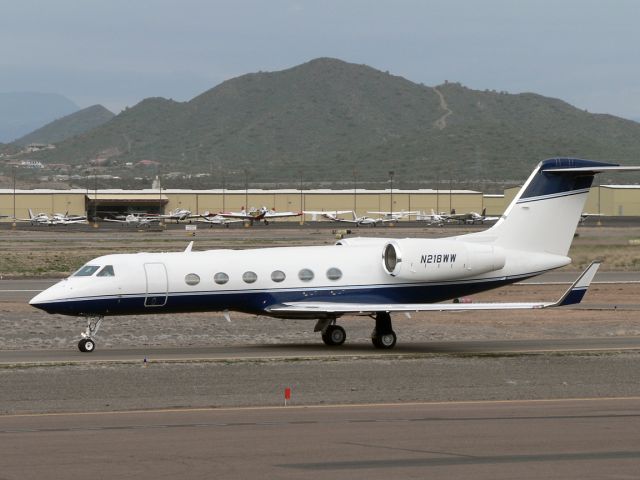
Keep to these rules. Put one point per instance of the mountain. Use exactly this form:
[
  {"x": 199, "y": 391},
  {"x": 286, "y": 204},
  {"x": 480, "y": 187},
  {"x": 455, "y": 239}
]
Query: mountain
[
  {"x": 66, "y": 127},
  {"x": 23, "y": 112},
  {"x": 326, "y": 118}
]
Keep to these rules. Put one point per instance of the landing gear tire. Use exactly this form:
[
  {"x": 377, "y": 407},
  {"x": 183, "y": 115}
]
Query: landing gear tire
[
  {"x": 86, "y": 345},
  {"x": 384, "y": 342},
  {"x": 334, "y": 335}
]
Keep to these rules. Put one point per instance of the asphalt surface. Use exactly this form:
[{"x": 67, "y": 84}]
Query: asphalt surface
[
  {"x": 305, "y": 351},
  {"x": 570, "y": 439}
]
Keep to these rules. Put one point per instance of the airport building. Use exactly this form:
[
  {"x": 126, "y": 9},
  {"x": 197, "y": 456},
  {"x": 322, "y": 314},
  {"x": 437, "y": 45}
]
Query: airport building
[{"x": 614, "y": 200}]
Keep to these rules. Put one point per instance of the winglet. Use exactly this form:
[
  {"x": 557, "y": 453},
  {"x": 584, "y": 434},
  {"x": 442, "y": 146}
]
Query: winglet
[
  {"x": 189, "y": 247},
  {"x": 575, "y": 293}
]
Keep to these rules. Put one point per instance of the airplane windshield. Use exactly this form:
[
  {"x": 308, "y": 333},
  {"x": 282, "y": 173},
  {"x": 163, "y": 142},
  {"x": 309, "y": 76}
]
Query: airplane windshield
[
  {"x": 107, "y": 271},
  {"x": 86, "y": 271}
]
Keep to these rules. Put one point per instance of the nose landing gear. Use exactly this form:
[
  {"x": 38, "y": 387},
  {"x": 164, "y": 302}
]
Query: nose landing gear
[{"x": 87, "y": 343}]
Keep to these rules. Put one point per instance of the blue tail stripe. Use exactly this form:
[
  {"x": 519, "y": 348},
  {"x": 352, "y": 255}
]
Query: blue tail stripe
[{"x": 547, "y": 182}]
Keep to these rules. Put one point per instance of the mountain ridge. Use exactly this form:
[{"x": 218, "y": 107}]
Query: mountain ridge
[
  {"x": 24, "y": 112},
  {"x": 68, "y": 126},
  {"x": 326, "y": 119}
]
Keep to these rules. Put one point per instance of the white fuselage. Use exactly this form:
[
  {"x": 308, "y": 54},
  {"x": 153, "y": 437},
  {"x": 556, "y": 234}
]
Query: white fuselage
[{"x": 186, "y": 281}]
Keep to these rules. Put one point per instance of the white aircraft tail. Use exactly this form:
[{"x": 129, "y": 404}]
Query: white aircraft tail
[
  {"x": 544, "y": 215},
  {"x": 31, "y": 215}
]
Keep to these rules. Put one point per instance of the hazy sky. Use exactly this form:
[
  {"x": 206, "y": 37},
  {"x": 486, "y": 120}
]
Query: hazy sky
[{"x": 117, "y": 52}]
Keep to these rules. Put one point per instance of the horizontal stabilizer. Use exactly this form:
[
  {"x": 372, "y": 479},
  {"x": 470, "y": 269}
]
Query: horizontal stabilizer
[
  {"x": 573, "y": 295},
  {"x": 595, "y": 169}
]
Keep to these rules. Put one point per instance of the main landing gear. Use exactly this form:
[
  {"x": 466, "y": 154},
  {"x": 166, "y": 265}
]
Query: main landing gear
[
  {"x": 88, "y": 344},
  {"x": 383, "y": 336},
  {"x": 332, "y": 334}
]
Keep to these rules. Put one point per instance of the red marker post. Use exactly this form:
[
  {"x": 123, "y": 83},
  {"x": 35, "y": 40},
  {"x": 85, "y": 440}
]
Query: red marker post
[{"x": 287, "y": 395}]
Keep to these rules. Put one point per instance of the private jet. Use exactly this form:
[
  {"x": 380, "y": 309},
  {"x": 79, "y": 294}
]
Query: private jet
[{"x": 357, "y": 276}]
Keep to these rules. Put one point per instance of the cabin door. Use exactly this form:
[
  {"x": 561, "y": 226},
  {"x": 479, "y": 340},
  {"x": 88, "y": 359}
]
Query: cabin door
[{"x": 157, "y": 284}]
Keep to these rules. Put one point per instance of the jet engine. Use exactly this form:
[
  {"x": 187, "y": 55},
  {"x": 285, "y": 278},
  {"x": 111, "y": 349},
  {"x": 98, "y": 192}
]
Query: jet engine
[{"x": 435, "y": 260}]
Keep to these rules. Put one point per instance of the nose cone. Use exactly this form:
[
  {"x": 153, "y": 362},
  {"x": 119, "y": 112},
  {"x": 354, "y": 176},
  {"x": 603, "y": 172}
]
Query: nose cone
[
  {"x": 43, "y": 300},
  {"x": 50, "y": 300}
]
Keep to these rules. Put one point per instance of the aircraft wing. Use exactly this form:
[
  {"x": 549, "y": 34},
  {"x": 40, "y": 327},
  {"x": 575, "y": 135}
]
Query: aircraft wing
[
  {"x": 68, "y": 222},
  {"x": 241, "y": 215},
  {"x": 326, "y": 212},
  {"x": 272, "y": 214},
  {"x": 572, "y": 296}
]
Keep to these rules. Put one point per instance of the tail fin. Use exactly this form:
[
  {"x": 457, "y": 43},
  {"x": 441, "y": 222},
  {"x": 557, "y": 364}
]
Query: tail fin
[
  {"x": 31, "y": 215},
  {"x": 544, "y": 214}
]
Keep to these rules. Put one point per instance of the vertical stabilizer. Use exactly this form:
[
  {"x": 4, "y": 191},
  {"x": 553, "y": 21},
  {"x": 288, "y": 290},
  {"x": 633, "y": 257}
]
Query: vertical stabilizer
[{"x": 545, "y": 213}]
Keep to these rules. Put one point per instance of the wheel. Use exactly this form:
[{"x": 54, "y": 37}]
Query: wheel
[
  {"x": 385, "y": 342},
  {"x": 334, "y": 335},
  {"x": 86, "y": 345}
]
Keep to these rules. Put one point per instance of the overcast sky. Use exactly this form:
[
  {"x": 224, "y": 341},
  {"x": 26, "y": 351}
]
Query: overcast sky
[{"x": 118, "y": 52}]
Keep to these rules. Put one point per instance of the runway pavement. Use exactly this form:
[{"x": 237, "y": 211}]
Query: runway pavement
[
  {"x": 305, "y": 351},
  {"x": 557, "y": 439}
]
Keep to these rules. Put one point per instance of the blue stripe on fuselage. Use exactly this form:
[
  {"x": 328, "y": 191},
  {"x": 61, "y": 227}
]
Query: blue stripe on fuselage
[{"x": 257, "y": 302}]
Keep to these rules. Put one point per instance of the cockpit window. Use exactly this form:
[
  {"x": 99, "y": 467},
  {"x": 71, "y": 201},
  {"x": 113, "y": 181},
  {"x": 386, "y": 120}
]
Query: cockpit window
[
  {"x": 107, "y": 271},
  {"x": 86, "y": 271}
]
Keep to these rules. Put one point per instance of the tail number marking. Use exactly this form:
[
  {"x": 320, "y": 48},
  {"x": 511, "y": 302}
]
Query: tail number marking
[{"x": 438, "y": 258}]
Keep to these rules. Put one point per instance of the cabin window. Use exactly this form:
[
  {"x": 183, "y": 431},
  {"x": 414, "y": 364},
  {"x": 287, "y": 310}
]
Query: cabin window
[
  {"x": 278, "y": 276},
  {"x": 334, "y": 274},
  {"x": 107, "y": 271},
  {"x": 221, "y": 278},
  {"x": 249, "y": 277},
  {"x": 192, "y": 279},
  {"x": 305, "y": 275},
  {"x": 86, "y": 271}
]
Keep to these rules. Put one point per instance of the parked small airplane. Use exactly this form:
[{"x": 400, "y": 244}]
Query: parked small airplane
[
  {"x": 216, "y": 219},
  {"x": 133, "y": 219},
  {"x": 55, "y": 219},
  {"x": 179, "y": 215},
  {"x": 263, "y": 214},
  {"x": 363, "y": 220},
  {"x": 432, "y": 219},
  {"x": 66, "y": 219},
  {"x": 471, "y": 217},
  {"x": 357, "y": 276},
  {"x": 394, "y": 216},
  {"x": 333, "y": 215}
]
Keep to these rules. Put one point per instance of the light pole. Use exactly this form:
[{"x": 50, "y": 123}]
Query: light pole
[
  {"x": 95, "y": 200},
  {"x": 13, "y": 225},
  {"x": 391, "y": 199},
  {"x": 301, "y": 200},
  {"x": 355, "y": 192},
  {"x": 246, "y": 191},
  {"x": 223, "y": 189},
  {"x": 14, "y": 191}
]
